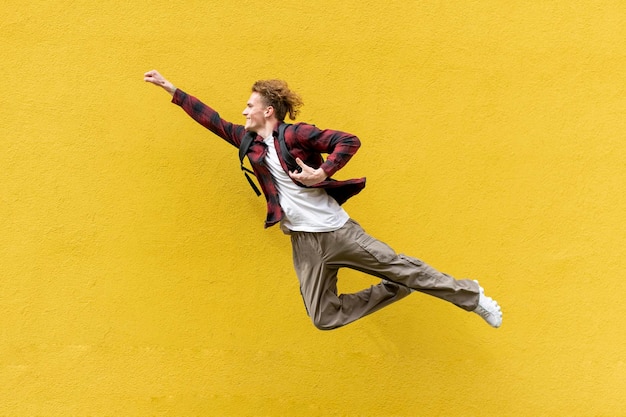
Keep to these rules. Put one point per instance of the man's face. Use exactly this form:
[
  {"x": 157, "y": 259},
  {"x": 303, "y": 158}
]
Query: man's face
[{"x": 255, "y": 112}]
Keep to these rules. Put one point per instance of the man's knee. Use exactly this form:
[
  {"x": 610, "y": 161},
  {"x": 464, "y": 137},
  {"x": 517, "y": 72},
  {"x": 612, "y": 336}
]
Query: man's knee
[{"x": 323, "y": 323}]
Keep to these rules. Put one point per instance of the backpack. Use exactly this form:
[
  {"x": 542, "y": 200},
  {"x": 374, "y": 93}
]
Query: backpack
[{"x": 246, "y": 142}]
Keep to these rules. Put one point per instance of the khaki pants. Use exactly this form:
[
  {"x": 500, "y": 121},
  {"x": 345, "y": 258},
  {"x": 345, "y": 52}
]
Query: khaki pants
[{"x": 317, "y": 258}]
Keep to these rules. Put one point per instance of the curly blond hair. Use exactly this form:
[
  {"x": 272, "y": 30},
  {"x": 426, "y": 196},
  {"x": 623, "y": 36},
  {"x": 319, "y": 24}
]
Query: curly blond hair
[{"x": 276, "y": 93}]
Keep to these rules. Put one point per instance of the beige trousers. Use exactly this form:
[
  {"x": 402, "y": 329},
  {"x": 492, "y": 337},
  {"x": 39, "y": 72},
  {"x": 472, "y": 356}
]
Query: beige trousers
[{"x": 317, "y": 258}]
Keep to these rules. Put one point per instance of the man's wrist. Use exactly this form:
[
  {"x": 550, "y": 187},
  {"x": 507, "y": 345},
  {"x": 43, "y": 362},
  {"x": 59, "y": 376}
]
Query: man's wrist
[
  {"x": 327, "y": 168},
  {"x": 321, "y": 174}
]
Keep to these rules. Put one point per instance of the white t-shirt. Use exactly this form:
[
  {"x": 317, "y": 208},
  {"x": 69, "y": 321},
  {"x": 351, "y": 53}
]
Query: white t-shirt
[{"x": 306, "y": 209}]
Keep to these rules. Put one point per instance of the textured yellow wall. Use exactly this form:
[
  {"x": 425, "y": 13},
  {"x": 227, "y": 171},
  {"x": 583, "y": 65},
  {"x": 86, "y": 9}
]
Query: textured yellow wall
[{"x": 136, "y": 277}]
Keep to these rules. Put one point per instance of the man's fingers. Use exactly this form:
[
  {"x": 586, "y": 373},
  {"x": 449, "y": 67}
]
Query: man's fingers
[
  {"x": 299, "y": 162},
  {"x": 304, "y": 166},
  {"x": 154, "y": 77},
  {"x": 157, "y": 79}
]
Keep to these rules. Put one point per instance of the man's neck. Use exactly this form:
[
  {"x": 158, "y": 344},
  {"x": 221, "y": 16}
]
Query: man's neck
[{"x": 268, "y": 129}]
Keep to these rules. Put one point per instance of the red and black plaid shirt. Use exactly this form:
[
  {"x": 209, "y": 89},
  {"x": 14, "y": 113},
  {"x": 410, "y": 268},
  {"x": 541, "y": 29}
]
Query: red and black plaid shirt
[{"x": 304, "y": 141}]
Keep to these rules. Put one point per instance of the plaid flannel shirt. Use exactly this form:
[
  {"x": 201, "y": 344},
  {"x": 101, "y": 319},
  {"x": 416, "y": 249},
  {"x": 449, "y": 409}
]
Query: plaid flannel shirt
[{"x": 304, "y": 141}]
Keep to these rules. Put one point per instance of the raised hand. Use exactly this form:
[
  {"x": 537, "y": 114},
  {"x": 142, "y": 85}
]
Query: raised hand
[{"x": 156, "y": 78}]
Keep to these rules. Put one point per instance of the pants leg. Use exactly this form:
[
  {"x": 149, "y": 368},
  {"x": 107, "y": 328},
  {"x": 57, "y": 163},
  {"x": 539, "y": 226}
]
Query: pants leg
[
  {"x": 318, "y": 285},
  {"x": 319, "y": 256}
]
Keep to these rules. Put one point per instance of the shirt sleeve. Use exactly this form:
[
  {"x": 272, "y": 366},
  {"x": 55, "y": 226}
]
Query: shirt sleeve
[
  {"x": 209, "y": 118},
  {"x": 340, "y": 146}
]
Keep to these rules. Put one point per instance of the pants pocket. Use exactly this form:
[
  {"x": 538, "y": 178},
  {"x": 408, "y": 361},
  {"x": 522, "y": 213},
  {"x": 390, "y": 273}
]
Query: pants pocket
[
  {"x": 379, "y": 250},
  {"x": 411, "y": 260}
]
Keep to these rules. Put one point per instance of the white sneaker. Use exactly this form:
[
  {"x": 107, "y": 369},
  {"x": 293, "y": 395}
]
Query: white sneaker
[{"x": 488, "y": 309}]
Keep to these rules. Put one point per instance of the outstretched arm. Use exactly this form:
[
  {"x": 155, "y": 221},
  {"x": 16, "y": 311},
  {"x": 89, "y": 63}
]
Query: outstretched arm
[
  {"x": 157, "y": 79},
  {"x": 199, "y": 111}
]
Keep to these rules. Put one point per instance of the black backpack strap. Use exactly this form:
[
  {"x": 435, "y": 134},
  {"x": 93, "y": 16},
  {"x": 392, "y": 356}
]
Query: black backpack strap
[
  {"x": 246, "y": 142},
  {"x": 289, "y": 160}
]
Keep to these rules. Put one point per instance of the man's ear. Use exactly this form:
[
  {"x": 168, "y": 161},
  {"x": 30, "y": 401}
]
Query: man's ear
[{"x": 269, "y": 111}]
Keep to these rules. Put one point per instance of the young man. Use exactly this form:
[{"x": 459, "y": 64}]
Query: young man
[{"x": 307, "y": 204}]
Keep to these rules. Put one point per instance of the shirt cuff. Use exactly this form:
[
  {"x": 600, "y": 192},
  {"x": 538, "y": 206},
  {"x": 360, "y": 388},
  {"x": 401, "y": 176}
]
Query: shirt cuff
[
  {"x": 328, "y": 168},
  {"x": 178, "y": 97}
]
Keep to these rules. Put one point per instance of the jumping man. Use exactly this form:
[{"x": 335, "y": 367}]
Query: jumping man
[{"x": 307, "y": 204}]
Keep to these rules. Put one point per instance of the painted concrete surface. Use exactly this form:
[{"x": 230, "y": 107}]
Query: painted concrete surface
[{"x": 137, "y": 279}]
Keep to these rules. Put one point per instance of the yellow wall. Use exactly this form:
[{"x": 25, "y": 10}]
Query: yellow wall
[{"x": 137, "y": 279}]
